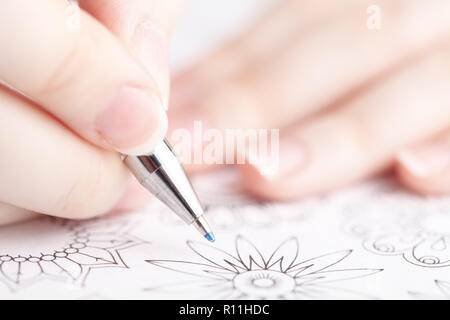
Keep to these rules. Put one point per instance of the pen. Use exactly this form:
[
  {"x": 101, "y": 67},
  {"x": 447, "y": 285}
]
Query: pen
[{"x": 162, "y": 174}]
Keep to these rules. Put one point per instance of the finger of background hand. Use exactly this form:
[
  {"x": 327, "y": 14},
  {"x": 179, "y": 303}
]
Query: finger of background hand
[
  {"x": 361, "y": 138},
  {"x": 325, "y": 64},
  {"x": 271, "y": 32},
  {"x": 48, "y": 169},
  {"x": 426, "y": 168},
  {"x": 81, "y": 73},
  {"x": 145, "y": 27},
  {"x": 11, "y": 214}
]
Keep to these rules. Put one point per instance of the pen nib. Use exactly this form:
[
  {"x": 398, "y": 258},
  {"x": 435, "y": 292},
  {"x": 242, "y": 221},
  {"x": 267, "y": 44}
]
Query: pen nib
[
  {"x": 210, "y": 236},
  {"x": 202, "y": 226}
]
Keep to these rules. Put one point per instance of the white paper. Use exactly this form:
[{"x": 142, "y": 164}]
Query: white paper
[{"x": 372, "y": 241}]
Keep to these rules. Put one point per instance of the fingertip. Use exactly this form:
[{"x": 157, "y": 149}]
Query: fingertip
[
  {"x": 134, "y": 122},
  {"x": 269, "y": 187},
  {"x": 419, "y": 185},
  {"x": 424, "y": 170},
  {"x": 276, "y": 176},
  {"x": 256, "y": 184}
]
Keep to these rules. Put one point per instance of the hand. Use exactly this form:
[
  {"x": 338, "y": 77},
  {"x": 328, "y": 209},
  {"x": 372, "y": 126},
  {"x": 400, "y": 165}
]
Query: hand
[
  {"x": 96, "y": 82},
  {"x": 351, "y": 102}
]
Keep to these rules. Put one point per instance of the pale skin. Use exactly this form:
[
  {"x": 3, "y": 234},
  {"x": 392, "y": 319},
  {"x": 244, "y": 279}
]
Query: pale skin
[
  {"x": 98, "y": 86},
  {"x": 350, "y": 102}
]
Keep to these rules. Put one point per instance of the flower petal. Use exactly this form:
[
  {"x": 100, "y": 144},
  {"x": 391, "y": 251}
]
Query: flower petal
[
  {"x": 249, "y": 254},
  {"x": 69, "y": 267},
  {"x": 106, "y": 242},
  {"x": 285, "y": 255},
  {"x": 431, "y": 252},
  {"x": 217, "y": 257},
  {"x": 319, "y": 263},
  {"x": 10, "y": 270},
  {"x": 226, "y": 275},
  {"x": 186, "y": 267},
  {"x": 50, "y": 268},
  {"x": 99, "y": 255},
  {"x": 28, "y": 271},
  {"x": 88, "y": 260}
]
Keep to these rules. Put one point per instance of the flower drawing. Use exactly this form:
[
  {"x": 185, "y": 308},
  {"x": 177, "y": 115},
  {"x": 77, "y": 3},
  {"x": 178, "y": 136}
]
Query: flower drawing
[
  {"x": 61, "y": 250},
  {"x": 248, "y": 274}
]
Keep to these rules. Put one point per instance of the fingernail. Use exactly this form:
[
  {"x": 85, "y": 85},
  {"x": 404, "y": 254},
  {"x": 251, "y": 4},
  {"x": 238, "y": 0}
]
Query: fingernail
[
  {"x": 152, "y": 47},
  {"x": 291, "y": 157},
  {"x": 134, "y": 122},
  {"x": 426, "y": 161}
]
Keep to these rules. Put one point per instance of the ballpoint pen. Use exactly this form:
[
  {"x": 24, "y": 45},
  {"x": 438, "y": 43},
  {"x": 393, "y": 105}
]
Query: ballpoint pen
[{"x": 162, "y": 174}]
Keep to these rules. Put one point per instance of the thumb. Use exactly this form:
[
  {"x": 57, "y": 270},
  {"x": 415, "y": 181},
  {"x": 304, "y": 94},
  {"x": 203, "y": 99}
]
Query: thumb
[{"x": 145, "y": 27}]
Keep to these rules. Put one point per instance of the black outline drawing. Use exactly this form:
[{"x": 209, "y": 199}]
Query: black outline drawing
[
  {"x": 249, "y": 275},
  {"x": 410, "y": 239},
  {"x": 443, "y": 287},
  {"x": 419, "y": 249},
  {"x": 91, "y": 244},
  {"x": 392, "y": 222}
]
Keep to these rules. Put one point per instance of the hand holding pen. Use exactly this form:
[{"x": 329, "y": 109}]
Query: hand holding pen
[
  {"x": 97, "y": 83},
  {"x": 352, "y": 99}
]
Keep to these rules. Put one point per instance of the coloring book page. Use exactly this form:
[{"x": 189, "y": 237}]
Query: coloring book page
[{"x": 370, "y": 241}]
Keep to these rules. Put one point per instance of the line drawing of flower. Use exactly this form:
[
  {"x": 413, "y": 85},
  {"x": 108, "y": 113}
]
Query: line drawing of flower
[
  {"x": 421, "y": 238},
  {"x": 62, "y": 250},
  {"x": 249, "y": 275},
  {"x": 393, "y": 222},
  {"x": 443, "y": 289}
]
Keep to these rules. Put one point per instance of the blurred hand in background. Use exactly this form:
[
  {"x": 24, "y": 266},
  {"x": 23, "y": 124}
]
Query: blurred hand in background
[{"x": 353, "y": 96}]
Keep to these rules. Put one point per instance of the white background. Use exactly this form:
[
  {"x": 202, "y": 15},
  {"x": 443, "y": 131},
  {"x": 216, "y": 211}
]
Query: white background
[{"x": 206, "y": 24}]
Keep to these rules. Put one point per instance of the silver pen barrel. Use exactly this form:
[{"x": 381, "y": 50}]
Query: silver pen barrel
[{"x": 162, "y": 174}]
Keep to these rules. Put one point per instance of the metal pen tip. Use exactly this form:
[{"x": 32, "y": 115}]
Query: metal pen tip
[
  {"x": 210, "y": 237},
  {"x": 203, "y": 227},
  {"x": 162, "y": 174}
]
